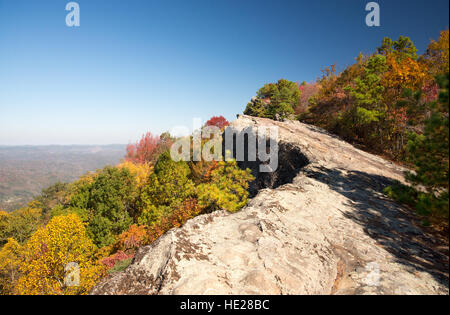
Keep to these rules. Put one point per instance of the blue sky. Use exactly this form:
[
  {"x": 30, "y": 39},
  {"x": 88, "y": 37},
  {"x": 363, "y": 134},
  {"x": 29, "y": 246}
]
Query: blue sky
[{"x": 135, "y": 66}]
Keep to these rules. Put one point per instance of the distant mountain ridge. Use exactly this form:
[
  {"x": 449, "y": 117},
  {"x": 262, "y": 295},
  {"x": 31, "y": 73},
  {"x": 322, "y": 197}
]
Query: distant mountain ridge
[{"x": 26, "y": 170}]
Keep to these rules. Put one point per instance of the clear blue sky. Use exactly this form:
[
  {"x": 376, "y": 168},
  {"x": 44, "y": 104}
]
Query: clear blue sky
[{"x": 135, "y": 66}]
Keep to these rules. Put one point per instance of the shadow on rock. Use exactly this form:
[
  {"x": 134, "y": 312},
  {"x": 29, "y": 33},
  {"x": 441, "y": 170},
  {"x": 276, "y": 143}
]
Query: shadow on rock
[{"x": 390, "y": 224}]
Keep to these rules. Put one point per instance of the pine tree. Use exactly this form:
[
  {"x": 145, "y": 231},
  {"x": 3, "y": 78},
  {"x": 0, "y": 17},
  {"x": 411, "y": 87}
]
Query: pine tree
[
  {"x": 275, "y": 100},
  {"x": 430, "y": 154}
]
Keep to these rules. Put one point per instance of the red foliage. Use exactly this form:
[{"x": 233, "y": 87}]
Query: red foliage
[
  {"x": 430, "y": 91},
  {"x": 144, "y": 150},
  {"x": 399, "y": 117},
  {"x": 113, "y": 259},
  {"x": 306, "y": 92},
  {"x": 218, "y": 121}
]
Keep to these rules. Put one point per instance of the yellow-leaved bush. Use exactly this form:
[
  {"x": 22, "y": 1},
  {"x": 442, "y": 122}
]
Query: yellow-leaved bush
[
  {"x": 226, "y": 187},
  {"x": 63, "y": 242}
]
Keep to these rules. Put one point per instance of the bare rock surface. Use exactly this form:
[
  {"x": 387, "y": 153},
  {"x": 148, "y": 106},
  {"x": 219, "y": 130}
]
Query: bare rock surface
[{"x": 329, "y": 231}]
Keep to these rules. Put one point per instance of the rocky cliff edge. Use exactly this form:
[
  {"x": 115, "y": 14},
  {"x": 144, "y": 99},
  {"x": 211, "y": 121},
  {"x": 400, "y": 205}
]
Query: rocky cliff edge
[{"x": 320, "y": 225}]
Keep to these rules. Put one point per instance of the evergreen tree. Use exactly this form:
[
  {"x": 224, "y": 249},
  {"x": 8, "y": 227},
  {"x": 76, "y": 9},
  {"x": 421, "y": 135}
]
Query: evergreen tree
[
  {"x": 275, "y": 100},
  {"x": 403, "y": 47},
  {"x": 430, "y": 154},
  {"x": 364, "y": 117}
]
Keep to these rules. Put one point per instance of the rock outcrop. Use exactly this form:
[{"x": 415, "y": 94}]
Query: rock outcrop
[{"x": 323, "y": 226}]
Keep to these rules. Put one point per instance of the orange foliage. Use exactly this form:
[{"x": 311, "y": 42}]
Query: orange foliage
[
  {"x": 188, "y": 210},
  {"x": 402, "y": 73},
  {"x": 132, "y": 239}
]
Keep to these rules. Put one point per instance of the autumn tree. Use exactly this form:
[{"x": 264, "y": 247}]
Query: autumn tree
[
  {"x": 144, "y": 150},
  {"x": 226, "y": 188},
  {"x": 403, "y": 69},
  {"x": 48, "y": 253},
  {"x": 402, "y": 73},
  {"x": 133, "y": 238},
  {"x": 117, "y": 261},
  {"x": 217, "y": 121},
  {"x": 428, "y": 152},
  {"x": 378, "y": 110},
  {"x": 141, "y": 172}
]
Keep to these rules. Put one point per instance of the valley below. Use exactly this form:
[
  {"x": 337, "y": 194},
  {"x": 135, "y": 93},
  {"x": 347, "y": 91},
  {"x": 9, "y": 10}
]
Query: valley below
[{"x": 26, "y": 170}]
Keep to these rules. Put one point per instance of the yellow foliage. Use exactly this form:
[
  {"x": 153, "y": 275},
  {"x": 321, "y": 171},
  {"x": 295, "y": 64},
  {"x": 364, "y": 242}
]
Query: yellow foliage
[
  {"x": 104, "y": 252},
  {"x": 50, "y": 250},
  {"x": 142, "y": 171},
  {"x": 9, "y": 266},
  {"x": 87, "y": 178},
  {"x": 402, "y": 73}
]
